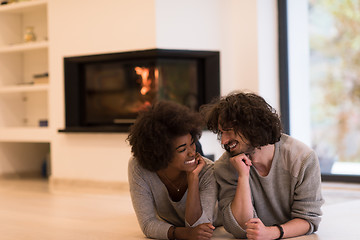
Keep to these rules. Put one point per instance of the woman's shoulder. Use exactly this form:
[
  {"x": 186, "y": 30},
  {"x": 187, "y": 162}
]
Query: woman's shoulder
[
  {"x": 133, "y": 164},
  {"x": 135, "y": 169}
]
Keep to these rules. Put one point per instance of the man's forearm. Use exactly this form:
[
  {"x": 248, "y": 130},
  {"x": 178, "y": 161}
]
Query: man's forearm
[
  {"x": 295, "y": 227},
  {"x": 241, "y": 205}
]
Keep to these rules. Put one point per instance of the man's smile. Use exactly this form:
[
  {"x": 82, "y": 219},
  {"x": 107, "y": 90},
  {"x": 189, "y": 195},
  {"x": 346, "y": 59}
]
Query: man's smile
[{"x": 231, "y": 145}]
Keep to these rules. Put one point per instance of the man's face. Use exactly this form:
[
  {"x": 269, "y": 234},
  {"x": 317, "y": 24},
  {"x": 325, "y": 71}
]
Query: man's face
[{"x": 234, "y": 142}]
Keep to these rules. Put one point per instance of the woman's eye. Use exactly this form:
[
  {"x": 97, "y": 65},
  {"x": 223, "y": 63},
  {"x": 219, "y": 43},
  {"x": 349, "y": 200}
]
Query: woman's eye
[{"x": 182, "y": 150}]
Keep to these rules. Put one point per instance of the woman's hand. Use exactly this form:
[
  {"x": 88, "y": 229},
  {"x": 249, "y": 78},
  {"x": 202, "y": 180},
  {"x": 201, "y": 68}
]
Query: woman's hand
[
  {"x": 200, "y": 164},
  {"x": 201, "y": 232}
]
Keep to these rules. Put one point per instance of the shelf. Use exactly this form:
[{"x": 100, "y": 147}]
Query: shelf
[
  {"x": 23, "y": 47},
  {"x": 25, "y": 134},
  {"x": 24, "y": 88},
  {"x": 23, "y": 7},
  {"x": 120, "y": 128}
]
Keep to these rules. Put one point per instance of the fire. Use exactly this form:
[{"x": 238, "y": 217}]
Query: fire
[{"x": 145, "y": 80}]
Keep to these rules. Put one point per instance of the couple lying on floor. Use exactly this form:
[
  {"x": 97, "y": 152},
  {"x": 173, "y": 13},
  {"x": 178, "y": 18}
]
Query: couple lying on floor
[{"x": 265, "y": 186}]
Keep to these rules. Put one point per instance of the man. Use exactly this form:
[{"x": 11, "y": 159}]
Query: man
[{"x": 269, "y": 183}]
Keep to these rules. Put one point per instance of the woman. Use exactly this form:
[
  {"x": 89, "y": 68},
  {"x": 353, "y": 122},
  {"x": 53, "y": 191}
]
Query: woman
[{"x": 172, "y": 187}]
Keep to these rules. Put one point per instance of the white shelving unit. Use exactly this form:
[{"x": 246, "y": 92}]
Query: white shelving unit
[
  {"x": 23, "y": 104},
  {"x": 23, "y": 47},
  {"x": 24, "y": 89}
]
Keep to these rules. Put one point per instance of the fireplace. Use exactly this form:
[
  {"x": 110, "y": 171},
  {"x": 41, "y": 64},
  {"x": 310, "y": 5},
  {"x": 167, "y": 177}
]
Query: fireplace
[{"x": 104, "y": 93}]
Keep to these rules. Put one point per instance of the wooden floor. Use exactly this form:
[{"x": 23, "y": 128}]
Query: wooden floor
[{"x": 29, "y": 209}]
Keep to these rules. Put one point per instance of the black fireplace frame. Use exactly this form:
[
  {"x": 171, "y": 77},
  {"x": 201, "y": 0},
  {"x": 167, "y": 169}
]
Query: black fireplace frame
[{"x": 208, "y": 81}]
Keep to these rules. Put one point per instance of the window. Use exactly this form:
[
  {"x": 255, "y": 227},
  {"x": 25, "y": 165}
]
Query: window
[{"x": 320, "y": 81}]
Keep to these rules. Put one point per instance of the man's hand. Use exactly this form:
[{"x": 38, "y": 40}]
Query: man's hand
[
  {"x": 256, "y": 230},
  {"x": 242, "y": 164}
]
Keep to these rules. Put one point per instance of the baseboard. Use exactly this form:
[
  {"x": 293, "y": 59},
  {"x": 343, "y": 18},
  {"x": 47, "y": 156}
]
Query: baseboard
[
  {"x": 56, "y": 184},
  {"x": 20, "y": 175}
]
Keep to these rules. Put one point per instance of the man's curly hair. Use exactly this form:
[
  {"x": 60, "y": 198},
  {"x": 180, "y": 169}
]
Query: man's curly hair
[
  {"x": 248, "y": 114},
  {"x": 152, "y": 134}
]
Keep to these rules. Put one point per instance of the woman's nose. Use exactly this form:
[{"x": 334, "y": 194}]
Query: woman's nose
[{"x": 192, "y": 150}]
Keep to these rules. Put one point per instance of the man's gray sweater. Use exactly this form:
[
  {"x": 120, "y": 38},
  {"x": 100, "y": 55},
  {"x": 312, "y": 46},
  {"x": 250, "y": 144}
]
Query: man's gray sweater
[{"x": 292, "y": 189}]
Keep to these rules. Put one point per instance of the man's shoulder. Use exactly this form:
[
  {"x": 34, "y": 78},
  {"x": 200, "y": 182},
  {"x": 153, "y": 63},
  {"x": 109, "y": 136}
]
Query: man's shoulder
[
  {"x": 223, "y": 161},
  {"x": 296, "y": 154},
  {"x": 293, "y": 146},
  {"x": 223, "y": 167},
  {"x": 225, "y": 173},
  {"x": 208, "y": 168}
]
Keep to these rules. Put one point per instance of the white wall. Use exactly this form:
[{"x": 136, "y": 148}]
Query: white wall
[
  {"x": 229, "y": 26},
  {"x": 239, "y": 46},
  {"x": 188, "y": 24},
  {"x": 92, "y": 27},
  {"x": 268, "y": 52}
]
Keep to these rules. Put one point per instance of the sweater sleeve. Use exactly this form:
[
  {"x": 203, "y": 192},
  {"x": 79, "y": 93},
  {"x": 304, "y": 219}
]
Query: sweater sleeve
[
  {"x": 308, "y": 199},
  {"x": 143, "y": 203},
  {"x": 226, "y": 178},
  {"x": 208, "y": 195}
]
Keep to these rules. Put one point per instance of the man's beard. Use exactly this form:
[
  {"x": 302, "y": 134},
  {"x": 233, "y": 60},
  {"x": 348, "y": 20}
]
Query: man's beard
[{"x": 248, "y": 150}]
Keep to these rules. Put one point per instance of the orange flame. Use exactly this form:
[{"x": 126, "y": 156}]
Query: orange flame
[{"x": 145, "y": 80}]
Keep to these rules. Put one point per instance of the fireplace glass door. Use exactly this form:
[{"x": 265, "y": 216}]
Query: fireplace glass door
[{"x": 115, "y": 92}]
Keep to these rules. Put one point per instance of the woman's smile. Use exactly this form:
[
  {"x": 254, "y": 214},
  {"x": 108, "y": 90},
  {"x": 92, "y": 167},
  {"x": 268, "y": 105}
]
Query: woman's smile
[{"x": 190, "y": 162}]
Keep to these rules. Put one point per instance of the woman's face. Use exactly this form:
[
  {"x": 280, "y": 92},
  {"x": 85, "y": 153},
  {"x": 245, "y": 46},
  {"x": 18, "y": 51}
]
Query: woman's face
[{"x": 184, "y": 153}]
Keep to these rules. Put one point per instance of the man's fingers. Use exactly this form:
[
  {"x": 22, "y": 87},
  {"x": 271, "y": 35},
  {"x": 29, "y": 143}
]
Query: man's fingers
[
  {"x": 247, "y": 161},
  {"x": 253, "y": 220},
  {"x": 252, "y": 223}
]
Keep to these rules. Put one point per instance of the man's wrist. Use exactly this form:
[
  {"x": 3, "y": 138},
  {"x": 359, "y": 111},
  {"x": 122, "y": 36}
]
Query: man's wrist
[
  {"x": 243, "y": 179},
  {"x": 280, "y": 230}
]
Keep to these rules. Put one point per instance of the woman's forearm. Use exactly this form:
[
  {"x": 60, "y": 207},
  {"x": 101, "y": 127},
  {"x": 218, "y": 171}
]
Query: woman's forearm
[
  {"x": 193, "y": 209},
  {"x": 178, "y": 233}
]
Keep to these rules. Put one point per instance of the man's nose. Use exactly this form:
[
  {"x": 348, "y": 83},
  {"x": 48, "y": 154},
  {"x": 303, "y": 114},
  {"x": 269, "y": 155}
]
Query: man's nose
[{"x": 224, "y": 138}]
